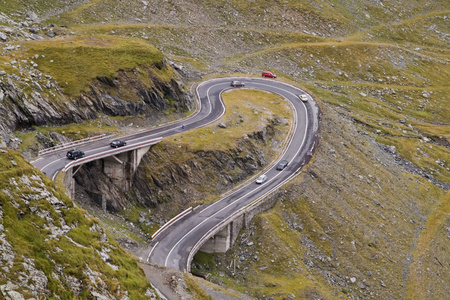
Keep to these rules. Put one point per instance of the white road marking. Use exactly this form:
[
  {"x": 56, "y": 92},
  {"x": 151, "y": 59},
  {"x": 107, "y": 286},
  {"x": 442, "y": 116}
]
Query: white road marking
[
  {"x": 254, "y": 190},
  {"x": 150, "y": 253}
]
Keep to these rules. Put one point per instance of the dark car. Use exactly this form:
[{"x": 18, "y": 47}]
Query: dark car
[
  {"x": 268, "y": 74},
  {"x": 75, "y": 154},
  {"x": 236, "y": 83},
  {"x": 117, "y": 143},
  {"x": 282, "y": 164}
]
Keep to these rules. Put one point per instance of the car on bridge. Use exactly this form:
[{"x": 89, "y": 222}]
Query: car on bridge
[
  {"x": 75, "y": 154},
  {"x": 236, "y": 83},
  {"x": 268, "y": 74},
  {"x": 261, "y": 179},
  {"x": 117, "y": 143}
]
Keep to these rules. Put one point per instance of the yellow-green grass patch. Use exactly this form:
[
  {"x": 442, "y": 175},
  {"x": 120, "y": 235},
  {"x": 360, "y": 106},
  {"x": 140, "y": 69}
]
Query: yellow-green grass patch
[
  {"x": 195, "y": 289},
  {"x": 132, "y": 213},
  {"x": 28, "y": 140},
  {"x": 5, "y": 65},
  {"x": 394, "y": 119},
  {"x": 278, "y": 269},
  {"x": 429, "y": 266},
  {"x": 415, "y": 31},
  {"x": 216, "y": 287},
  {"x": 430, "y": 157},
  {"x": 12, "y": 7},
  {"x": 74, "y": 62},
  {"x": 247, "y": 111},
  {"x": 77, "y": 131}
]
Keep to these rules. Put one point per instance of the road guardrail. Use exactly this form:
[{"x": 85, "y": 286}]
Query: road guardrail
[{"x": 75, "y": 143}]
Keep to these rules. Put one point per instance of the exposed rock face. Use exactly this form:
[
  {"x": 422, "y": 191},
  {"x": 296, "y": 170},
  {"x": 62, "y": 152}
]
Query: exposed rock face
[
  {"x": 124, "y": 95},
  {"x": 205, "y": 173},
  {"x": 160, "y": 180}
]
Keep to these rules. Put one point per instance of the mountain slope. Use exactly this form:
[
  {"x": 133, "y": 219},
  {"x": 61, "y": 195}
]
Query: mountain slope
[
  {"x": 370, "y": 217},
  {"x": 52, "y": 249}
]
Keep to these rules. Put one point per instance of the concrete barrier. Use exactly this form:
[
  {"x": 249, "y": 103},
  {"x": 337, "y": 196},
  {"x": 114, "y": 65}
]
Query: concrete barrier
[{"x": 110, "y": 153}]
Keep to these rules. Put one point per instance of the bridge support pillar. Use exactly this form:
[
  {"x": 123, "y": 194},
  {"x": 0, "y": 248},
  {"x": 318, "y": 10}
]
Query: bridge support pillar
[
  {"x": 70, "y": 183},
  {"x": 121, "y": 167},
  {"x": 219, "y": 243},
  {"x": 225, "y": 238}
]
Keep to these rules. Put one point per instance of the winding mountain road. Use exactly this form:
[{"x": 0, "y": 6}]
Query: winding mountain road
[{"x": 175, "y": 246}]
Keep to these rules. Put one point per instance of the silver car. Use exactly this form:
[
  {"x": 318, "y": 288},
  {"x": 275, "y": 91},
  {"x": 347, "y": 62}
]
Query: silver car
[
  {"x": 303, "y": 97},
  {"x": 261, "y": 179},
  {"x": 236, "y": 83}
]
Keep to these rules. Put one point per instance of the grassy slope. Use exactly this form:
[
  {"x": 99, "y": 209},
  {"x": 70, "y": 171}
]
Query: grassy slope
[
  {"x": 29, "y": 220},
  {"x": 397, "y": 54},
  {"x": 380, "y": 115},
  {"x": 396, "y": 113},
  {"x": 75, "y": 61},
  {"x": 247, "y": 111},
  {"x": 351, "y": 215}
]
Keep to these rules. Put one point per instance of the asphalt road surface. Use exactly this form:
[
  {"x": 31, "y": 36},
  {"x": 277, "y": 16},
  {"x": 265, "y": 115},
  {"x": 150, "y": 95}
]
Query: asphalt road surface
[{"x": 175, "y": 245}]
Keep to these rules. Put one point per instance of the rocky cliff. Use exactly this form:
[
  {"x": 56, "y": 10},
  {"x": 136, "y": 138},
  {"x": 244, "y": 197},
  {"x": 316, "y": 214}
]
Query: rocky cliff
[
  {"x": 135, "y": 92},
  {"x": 168, "y": 185},
  {"x": 51, "y": 249},
  {"x": 71, "y": 80}
]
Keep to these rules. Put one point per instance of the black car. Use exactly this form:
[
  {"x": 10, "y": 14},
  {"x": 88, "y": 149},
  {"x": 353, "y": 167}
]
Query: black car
[
  {"x": 117, "y": 143},
  {"x": 282, "y": 164},
  {"x": 236, "y": 83},
  {"x": 75, "y": 154}
]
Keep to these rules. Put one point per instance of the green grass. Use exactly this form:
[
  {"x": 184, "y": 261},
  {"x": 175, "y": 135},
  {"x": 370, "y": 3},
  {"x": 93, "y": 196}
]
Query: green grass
[
  {"x": 73, "y": 132},
  {"x": 132, "y": 213},
  {"x": 414, "y": 31},
  {"x": 11, "y": 7},
  {"x": 27, "y": 218},
  {"x": 247, "y": 111},
  {"x": 195, "y": 289},
  {"x": 79, "y": 131},
  {"x": 431, "y": 249},
  {"x": 277, "y": 253},
  {"x": 74, "y": 62},
  {"x": 398, "y": 98},
  {"x": 6, "y": 66}
]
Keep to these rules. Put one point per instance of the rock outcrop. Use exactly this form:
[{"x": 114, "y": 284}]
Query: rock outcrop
[
  {"x": 20, "y": 109},
  {"x": 161, "y": 181}
]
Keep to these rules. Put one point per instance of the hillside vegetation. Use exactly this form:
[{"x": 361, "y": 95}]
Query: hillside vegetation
[
  {"x": 51, "y": 249},
  {"x": 369, "y": 218}
]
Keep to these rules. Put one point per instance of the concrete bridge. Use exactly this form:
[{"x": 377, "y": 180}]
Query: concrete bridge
[
  {"x": 214, "y": 227},
  {"x": 118, "y": 164},
  {"x": 223, "y": 235}
]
